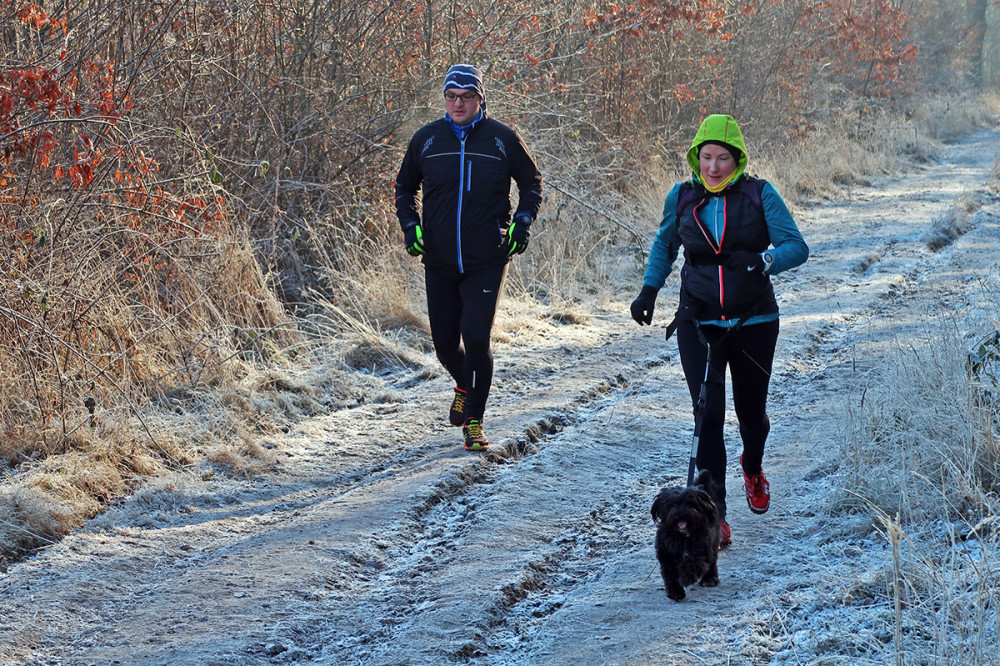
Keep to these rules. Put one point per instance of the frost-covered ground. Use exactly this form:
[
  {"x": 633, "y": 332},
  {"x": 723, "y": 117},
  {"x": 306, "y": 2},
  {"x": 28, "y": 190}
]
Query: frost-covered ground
[{"x": 381, "y": 541}]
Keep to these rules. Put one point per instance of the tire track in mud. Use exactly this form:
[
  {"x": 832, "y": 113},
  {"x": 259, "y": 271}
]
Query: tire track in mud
[
  {"x": 509, "y": 452},
  {"x": 383, "y": 601}
]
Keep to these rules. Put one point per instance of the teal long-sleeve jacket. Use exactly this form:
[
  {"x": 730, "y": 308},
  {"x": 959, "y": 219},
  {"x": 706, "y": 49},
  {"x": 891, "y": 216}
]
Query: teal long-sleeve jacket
[{"x": 788, "y": 247}]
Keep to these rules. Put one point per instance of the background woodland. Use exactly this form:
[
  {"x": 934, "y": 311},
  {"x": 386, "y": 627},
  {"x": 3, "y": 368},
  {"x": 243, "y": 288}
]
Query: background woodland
[{"x": 196, "y": 197}]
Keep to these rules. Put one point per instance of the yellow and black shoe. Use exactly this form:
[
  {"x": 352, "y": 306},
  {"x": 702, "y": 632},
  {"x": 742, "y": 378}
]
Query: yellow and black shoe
[
  {"x": 457, "y": 412},
  {"x": 475, "y": 440}
]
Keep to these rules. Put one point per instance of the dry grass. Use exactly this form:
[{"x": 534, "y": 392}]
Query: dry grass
[
  {"x": 845, "y": 152},
  {"x": 96, "y": 346},
  {"x": 958, "y": 221},
  {"x": 948, "y": 117},
  {"x": 993, "y": 182},
  {"x": 924, "y": 448},
  {"x": 943, "y": 589},
  {"x": 923, "y": 460}
]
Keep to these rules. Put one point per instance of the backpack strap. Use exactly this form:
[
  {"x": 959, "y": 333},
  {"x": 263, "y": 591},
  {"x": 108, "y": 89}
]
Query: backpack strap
[
  {"x": 685, "y": 196},
  {"x": 753, "y": 187}
]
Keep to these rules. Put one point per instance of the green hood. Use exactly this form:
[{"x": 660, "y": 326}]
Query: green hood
[{"x": 718, "y": 128}]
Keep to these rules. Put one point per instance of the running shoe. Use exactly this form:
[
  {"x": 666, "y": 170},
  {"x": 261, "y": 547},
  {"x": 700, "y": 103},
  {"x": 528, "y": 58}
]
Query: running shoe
[
  {"x": 725, "y": 535},
  {"x": 758, "y": 491},
  {"x": 457, "y": 412},
  {"x": 475, "y": 440}
]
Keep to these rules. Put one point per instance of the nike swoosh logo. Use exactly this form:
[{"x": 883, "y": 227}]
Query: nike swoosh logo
[
  {"x": 749, "y": 269},
  {"x": 487, "y": 291}
]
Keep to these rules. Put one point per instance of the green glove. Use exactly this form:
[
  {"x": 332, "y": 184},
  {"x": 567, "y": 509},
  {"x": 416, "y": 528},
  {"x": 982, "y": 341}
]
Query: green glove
[
  {"x": 517, "y": 235},
  {"x": 413, "y": 237}
]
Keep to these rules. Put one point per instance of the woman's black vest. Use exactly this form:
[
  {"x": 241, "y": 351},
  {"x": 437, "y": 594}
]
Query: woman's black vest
[{"x": 711, "y": 290}]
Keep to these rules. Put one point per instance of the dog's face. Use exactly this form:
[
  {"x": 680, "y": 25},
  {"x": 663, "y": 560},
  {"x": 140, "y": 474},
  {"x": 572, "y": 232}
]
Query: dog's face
[{"x": 686, "y": 511}]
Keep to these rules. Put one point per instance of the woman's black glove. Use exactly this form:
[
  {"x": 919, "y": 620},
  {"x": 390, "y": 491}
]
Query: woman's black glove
[
  {"x": 642, "y": 306},
  {"x": 746, "y": 262}
]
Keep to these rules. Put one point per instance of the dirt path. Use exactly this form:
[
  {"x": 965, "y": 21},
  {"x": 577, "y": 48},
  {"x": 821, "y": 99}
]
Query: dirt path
[{"x": 382, "y": 542}]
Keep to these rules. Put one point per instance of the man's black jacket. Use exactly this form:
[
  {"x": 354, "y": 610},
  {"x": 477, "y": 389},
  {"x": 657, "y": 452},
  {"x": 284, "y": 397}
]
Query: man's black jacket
[{"x": 466, "y": 190}]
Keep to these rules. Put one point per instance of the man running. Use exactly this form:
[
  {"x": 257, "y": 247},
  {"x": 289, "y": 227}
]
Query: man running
[{"x": 465, "y": 234}]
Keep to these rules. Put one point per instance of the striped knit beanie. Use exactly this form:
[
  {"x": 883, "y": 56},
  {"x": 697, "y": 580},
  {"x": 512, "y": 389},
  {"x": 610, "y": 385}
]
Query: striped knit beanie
[{"x": 468, "y": 77}]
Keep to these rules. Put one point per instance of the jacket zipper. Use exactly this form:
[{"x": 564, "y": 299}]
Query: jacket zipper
[
  {"x": 461, "y": 191},
  {"x": 715, "y": 245},
  {"x": 722, "y": 286}
]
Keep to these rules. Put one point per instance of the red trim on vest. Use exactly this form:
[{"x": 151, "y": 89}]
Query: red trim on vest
[{"x": 716, "y": 246}]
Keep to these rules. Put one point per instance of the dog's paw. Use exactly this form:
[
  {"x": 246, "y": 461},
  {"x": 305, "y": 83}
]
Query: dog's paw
[
  {"x": 676, "y": 593},
  {"x": 709, "y": 581}
]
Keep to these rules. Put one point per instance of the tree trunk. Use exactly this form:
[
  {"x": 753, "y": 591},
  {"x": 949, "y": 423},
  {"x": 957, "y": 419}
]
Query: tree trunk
[{"x": 991, "y": 47}]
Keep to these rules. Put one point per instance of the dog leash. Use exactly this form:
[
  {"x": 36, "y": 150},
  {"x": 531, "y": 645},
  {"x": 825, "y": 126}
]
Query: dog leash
[{"x": 684, "y": 313}]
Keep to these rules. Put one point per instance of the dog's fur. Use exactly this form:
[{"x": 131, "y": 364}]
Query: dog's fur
[{"x": 687, "y": 536}]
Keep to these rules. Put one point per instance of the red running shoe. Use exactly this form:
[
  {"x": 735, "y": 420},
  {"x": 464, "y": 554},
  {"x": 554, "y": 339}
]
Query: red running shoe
[
  {"x": 725, "y": 535},
  {"x": 758, "y": 491}
]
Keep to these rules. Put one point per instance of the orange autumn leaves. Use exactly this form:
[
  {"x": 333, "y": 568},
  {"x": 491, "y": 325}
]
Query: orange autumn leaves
[{"x": 57, "y": 129}]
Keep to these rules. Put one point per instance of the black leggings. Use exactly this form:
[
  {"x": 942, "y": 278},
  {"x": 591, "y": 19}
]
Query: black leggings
[
  {"x": 749, "y": 353},
  {"x": 461, "y": 308}
]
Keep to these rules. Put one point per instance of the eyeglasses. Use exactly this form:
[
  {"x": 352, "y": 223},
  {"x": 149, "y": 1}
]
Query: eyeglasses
[{"x": 467, "y": 98}]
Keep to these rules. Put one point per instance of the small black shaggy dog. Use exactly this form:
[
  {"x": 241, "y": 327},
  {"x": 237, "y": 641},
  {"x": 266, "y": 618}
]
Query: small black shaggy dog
[{"x": 687, "y": 536}]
